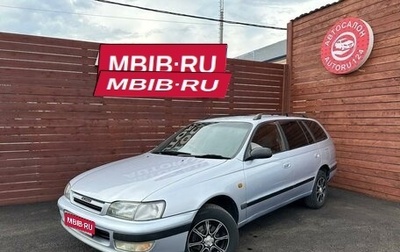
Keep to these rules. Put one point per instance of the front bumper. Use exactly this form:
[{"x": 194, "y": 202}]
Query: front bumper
[{"x": 169, "y": 233}]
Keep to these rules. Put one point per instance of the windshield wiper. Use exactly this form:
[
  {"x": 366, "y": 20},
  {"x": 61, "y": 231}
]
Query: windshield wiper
[
  {"x": 173, "y": 153},
  {"x": 215, "y": 156},
  {"x": 180, "y": 153}
]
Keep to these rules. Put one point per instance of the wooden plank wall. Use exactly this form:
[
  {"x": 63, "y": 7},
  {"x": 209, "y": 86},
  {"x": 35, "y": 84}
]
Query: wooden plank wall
[
  {"x": 362, "y": 109},
  {"x": 52, "y": 128}
]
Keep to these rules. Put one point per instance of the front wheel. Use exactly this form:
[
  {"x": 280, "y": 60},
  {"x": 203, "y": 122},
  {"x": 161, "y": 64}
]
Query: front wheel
[
  {"x": 213, "y": 230},
  {"x": 320, "y": 190}
]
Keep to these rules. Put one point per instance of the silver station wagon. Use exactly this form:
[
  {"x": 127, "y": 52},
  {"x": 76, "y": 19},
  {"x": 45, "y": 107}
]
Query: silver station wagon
[{"x": 193, "y": 191}]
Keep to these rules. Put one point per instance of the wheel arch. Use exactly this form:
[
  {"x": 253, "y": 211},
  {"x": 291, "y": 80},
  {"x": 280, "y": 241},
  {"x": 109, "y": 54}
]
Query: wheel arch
[
  {"x": 325, "y": 168},
  {"x": 226, "y": 203}
]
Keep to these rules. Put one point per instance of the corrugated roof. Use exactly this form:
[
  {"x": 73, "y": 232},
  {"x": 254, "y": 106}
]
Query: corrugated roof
[
  {"x": 266, "y": 53},
  {"x": 320, "y": 8},
  {"x": 277, "y": 50}
]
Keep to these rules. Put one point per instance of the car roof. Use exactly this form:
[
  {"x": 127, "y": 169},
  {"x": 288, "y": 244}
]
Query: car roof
[{"x": 254, "y": 119}]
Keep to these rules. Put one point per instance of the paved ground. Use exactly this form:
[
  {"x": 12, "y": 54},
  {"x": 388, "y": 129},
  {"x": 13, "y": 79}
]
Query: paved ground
[{"x": 348, "y": 222}]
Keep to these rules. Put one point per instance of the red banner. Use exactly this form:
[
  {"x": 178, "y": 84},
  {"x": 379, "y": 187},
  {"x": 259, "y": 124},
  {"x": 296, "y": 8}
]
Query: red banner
[
  {"x": 159, "y": 70},
  {"x": 205, "y": 58},
  {"x": 159, "y": 84}
]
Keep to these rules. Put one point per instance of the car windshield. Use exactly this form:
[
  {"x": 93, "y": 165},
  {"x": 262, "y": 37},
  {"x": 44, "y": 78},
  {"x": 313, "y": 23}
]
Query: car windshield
[{"x": 208, "y": 140}]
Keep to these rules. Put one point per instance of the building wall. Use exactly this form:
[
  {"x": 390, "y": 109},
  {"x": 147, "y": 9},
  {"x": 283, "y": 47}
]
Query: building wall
[
  {"x": 362, "y": 109},
  {"x": 52, "y": 128}
]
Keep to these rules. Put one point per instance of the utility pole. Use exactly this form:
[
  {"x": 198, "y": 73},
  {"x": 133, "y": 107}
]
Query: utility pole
[{"x": 221, "y": 23}]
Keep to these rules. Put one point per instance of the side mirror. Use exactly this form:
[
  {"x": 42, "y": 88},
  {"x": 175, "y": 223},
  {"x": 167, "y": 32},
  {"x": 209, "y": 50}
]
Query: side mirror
[{"x": 260, "y": 152}]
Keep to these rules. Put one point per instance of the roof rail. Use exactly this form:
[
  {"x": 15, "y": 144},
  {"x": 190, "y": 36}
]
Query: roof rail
[
  {"x": 296, "y": 114},
  {"x": 259, "y": 115}
]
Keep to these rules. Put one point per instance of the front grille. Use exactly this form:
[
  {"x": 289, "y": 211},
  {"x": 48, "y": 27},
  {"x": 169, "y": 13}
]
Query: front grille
[{"x": 87, "y": 204}]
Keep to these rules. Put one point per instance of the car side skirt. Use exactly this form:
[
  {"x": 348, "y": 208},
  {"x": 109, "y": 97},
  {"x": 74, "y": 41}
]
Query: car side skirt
[{"x": 266, "y": 197}]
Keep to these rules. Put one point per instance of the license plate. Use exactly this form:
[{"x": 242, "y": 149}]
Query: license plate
[{"x": 81, "y": 224}]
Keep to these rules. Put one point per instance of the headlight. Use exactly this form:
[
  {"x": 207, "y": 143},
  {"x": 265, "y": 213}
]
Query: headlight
[
  {"x": 150, "y": 211},
  {"x": 122, "y": 210},
  {"x": 136, "y": 211},
  {"x": 67, "y": 191}
]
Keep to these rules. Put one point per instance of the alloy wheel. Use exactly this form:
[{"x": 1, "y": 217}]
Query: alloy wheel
[
  {"x": 209, "y": 235},
  {"x": 321, "y": 189}
]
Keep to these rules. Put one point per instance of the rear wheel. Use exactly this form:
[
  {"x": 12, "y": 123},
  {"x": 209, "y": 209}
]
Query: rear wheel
[
  {"x": 320, "y": 190},
  {"x": 213, "y": 230}
]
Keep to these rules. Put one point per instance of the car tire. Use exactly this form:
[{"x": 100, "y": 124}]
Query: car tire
[
  {"x": 213, "y": 229},
  {"x": 319, "y": 193}
]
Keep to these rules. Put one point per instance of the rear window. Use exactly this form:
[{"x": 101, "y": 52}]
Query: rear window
[{"x": 316, "y": 130}]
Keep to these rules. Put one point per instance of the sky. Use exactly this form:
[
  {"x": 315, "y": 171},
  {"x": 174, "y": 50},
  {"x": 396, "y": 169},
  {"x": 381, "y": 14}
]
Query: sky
[{"x": 90, "y": 20}]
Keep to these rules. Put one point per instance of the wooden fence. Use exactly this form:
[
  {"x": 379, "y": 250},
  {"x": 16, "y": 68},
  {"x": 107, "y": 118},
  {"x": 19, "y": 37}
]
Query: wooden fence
[
  {"x": 52, "y": 128},
  {"x": 362, "y": 109}
]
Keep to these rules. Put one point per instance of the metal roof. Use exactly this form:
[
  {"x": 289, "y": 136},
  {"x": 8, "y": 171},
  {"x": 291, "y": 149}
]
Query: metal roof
[
  {"x": 267, "y": 53},
  {"x": 318, "y": 9},
  {"x": 277, "y": 50}
]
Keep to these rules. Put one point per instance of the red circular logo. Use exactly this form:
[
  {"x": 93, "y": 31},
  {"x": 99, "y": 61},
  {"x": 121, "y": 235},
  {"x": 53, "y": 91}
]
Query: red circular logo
[{"x": 347, "y": 45}]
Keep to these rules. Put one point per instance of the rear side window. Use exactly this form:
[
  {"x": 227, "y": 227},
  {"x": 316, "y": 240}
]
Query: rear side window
[
  {"x": 294, "y": 133},
  {"x": 316, "y": 130}
]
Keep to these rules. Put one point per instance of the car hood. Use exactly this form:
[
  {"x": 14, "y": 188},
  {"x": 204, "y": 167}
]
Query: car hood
[{"x": 135, "y": 178}]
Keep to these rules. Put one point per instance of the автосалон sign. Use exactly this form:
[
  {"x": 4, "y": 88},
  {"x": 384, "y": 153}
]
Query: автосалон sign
[
  {"x": 347, "y": 45},
  {"x": 162, "y": 70}
]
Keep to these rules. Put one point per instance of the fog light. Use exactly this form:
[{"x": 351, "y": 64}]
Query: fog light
[{"x": 134, "y": 246}]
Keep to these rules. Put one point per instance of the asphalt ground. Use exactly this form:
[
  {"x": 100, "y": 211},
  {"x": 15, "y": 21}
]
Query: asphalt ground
[{"x": 348, "y": 222}]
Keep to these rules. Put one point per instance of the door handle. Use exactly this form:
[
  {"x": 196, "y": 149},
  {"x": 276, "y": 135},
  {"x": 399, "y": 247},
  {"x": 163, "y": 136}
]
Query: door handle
[{"x": 287, "y": 166}]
